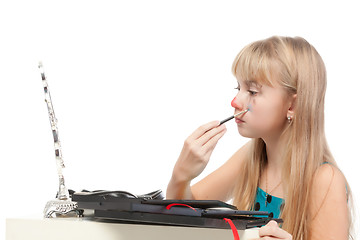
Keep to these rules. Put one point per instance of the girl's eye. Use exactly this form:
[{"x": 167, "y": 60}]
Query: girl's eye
[{"x": 252, "y": 93}]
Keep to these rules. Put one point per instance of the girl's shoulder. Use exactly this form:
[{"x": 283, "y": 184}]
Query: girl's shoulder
[
  {"x": 329, "y": 188},
  {"x": 328, "y": 175},
  {"x": 329, "y": 203}
]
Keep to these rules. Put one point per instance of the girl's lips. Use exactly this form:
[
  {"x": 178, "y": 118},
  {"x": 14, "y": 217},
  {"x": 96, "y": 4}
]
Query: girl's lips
[
  {"x": 239, "y": 116},
  {"x": 239, "y": 120}
]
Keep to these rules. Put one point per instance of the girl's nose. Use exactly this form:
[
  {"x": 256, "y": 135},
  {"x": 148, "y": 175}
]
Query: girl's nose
[
  {"x": 235, "y": 103},
  {"x": 241, "y": 101}
]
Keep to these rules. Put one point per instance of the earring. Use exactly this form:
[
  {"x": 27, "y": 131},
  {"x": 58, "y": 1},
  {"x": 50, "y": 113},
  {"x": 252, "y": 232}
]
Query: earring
[{"x": 289, "y": 119}]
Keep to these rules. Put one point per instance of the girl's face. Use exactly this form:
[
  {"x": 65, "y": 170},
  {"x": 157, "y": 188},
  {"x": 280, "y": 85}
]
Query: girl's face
[{"x": 268, "y": 109}]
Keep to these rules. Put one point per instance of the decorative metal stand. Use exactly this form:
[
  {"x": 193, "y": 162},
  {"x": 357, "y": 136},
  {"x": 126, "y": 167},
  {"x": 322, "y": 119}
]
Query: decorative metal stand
[{"x": 62, "y": 205}]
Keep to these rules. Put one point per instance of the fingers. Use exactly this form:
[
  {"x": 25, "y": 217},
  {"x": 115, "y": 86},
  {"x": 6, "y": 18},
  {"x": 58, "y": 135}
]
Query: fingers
[
  {"x": 197, "y": 150},
  {"x": 273, "y": 231},
  {"x": 206, "y": 132},
  {"x": 203, "y": 129},
  {"x": 204, "y": 139},
  {"x": 210, "y": 134},
  {"x": 211, "y": 141}
]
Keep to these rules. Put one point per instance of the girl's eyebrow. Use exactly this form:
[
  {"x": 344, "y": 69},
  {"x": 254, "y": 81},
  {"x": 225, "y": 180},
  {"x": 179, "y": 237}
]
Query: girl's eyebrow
[{"x": 252, "y": 83}]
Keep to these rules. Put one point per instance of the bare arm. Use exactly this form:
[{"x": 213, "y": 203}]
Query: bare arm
[
  {"x": 329, "y": 207},
  {"x": 193, "y": 159}
]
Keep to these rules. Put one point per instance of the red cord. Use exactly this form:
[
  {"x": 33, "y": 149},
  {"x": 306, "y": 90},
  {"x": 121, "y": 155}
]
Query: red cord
[
  {"x": 233, "y": 228},
  {"x": 179, "y": 204},
  {"x": 229, "y": 221}
]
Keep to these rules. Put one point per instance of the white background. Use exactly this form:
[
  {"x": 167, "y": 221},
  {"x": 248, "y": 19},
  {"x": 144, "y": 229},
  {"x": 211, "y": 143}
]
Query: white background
[{"x": 130, "y": 80}]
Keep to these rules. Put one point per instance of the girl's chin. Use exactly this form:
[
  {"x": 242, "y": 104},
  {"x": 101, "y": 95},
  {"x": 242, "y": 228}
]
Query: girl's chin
[{"x": 245, "y": 134}]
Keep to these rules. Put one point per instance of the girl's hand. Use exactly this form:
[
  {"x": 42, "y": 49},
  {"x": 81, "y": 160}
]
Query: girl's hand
[
  {"x": 197, "y": 150},
  {"x": 273, "y": 231}
]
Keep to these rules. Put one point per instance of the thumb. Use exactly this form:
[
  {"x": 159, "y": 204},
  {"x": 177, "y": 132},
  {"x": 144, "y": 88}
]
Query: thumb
[{"x": 272, "y": 223}]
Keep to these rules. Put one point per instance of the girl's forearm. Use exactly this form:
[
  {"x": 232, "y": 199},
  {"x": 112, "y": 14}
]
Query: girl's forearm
[{"x": 177, "y": 189}]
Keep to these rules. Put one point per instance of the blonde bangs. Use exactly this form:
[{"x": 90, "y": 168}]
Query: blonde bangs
[{"x": 256, "y": 63}]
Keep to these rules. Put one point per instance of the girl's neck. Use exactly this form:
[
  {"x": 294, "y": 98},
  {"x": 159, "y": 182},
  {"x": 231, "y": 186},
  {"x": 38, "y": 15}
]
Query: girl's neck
[
  {"x": 271, "y": 180},
  {"x": 274, "y": 150}
]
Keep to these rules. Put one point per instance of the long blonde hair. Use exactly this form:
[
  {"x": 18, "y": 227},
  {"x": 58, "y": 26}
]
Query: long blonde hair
[{"x": 295, "y": 65}]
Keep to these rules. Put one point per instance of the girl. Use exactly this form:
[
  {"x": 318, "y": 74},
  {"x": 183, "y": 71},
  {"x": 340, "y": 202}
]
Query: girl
[{"x": 287, "y": 168}]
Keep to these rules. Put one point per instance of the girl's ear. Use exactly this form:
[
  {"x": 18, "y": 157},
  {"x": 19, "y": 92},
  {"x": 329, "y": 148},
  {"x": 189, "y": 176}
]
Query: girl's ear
[{"x": 292, "y": 107}]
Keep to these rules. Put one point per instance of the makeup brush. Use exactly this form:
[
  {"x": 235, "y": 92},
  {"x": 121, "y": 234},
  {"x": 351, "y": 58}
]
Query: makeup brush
[{"x": 233, "y": 116}]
